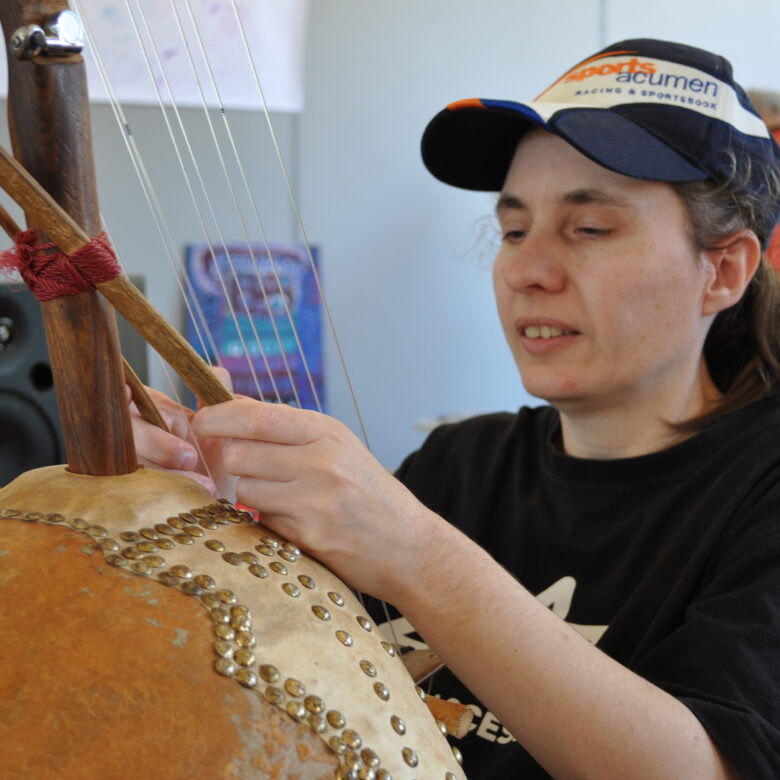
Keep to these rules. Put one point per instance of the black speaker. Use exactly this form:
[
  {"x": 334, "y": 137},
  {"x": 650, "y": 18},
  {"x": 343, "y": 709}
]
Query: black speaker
[{"x": 30, "y": 434}]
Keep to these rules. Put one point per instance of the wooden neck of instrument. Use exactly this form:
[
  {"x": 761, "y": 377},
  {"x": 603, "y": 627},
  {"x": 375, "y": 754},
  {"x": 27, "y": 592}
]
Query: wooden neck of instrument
[{"x": 50, "y": 132}]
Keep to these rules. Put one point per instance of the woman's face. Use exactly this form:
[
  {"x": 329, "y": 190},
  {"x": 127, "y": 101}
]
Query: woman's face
[{"x": 598, "y": 287}]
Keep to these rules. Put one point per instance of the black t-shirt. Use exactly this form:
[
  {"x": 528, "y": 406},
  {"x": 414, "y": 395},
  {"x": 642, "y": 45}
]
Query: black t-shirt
[{"x": 669, "y": 562}]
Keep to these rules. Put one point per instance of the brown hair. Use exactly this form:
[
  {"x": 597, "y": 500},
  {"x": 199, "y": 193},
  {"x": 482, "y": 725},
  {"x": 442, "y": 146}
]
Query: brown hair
[{"x": 742, "y": 348}]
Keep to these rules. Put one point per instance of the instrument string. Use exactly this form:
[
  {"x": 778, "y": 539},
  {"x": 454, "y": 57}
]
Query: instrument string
[
  {"x": 156, "y": 210},
  {"x": 299, "y": 221},
  {"x": 154, "y": 204},
  {"x": 196, "y": 206},
  {"x": 253, "y": 203}
]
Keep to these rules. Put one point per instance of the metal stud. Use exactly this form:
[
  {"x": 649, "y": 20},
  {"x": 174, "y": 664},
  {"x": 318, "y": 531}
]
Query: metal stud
[
  {"x": 165, "y": 544},
  {"x": 458, "y": 755},
  {"x": 352, "y": 739},
  {"x": 336, "y": 598},
  {"x": 410, "y": 757},
  {"x": 210, "y": 600},
  {"x": 248, "y": 557},
  {"x": 383, "y": 774},
  {"x": 399, "y": 727},
  {"x": 450, "y": 776},
  {"x": 183, "y": 539},
  {"x": 235, "y": 517},
  {"x": 367, "y": 773},
  {"x": 149, "y": 533},
  {"x": 245, "y": 639},
  {"x": 215, "y": 545},
  {"x": 155, "y": 561},
  {"x": 224, "y": 649},
  {"x": 247, "y": 678},
  {"x": 226, "y": 596},
  {"x": 279, "y": 568},
  {"x": 274, "y": 695},
  {"x": 241, "y": 622},
  {"x": 97, "y": 531},
  {"x": 77, "y": 524},
  {"x": 368, "y": 668},
  {"x": 344, "y": 638},
  {"x": 205, "y": 582},
  {"x": 314, "y": 704},
  {"x": 420, "y": 692},
  {"x": 33, "y": 517},
  {"x": 265, "y": 549},
  {"x": 294, "y": 687},
  {"x": 219, "y": 615},
  {"x": 55, "y": 517},
  {"x": 317, "y": 723},
  {"x": 116, "y": 560},
  {"x": 200, "y": 513},
  {"x": 182, "y": 571},
  {"x": 270, "y": 541},
  {"x": 258, "y": 570},
  {"x": 363, "y": 622},
  {"x": 108, "y": 544},
  {"x": 337, "y": 745},
  {"x": 16, "y": 513},
  {"x": 291, "y": 590},
  {"x": 291, "y": 548},
  {"x": 208, "y": 523},
  {"x": 187, "y": 517},
  {"x": 288, "y": 556},
  {"x": 320, "y": 612},
  {"x": 389, "y": 649},
  {"x": 443, "y": 728},
  {"x": 244, "y": 656},
  {"x": 141, "y": 567},
  {"x": 147, "y": 547},
  {"x": 177, "y": 522},
  {"x": 225, "y": 667},
  {"x": 369, "y": 758},
  {"x": 336, "y": 719},
  {"x": 269, "y": 673},
  {"x": 191, "y": 588},
  {"x": 167, "y": 578},
  {"x": 194, "y": 530},
  {"x": 164, "y": 528},
  {"x": 233, "y": 558},
  {"x": 382, "y": 691},
  {"x": 224, "y": 632},
  {"x": 128, "y": 536},
  {"x": 132, "y": 553},
  {"x": 306, "y": 581},
  {"x": 296, "y": 710},
  {"x": 240, "y": 609}
]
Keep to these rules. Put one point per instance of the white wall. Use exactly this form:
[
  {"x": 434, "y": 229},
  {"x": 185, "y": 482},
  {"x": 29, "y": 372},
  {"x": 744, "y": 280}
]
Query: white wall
[{"x": 405, "y": 268}]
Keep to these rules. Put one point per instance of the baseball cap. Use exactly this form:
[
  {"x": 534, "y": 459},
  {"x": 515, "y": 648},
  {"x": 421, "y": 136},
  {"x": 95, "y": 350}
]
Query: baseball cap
[{"x": 645, "y": 108}]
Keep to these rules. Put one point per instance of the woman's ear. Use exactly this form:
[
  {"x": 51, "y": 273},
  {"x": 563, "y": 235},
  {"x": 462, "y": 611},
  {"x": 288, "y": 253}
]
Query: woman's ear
[{"x": 733, "y": 264}]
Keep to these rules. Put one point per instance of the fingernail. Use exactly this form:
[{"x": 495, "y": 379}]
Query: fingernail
[{"x": 188, "y": 459}]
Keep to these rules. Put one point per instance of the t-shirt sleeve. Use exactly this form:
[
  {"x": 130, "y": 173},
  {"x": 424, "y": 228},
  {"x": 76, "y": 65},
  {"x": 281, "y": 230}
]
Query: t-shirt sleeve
[{"x": 723, "y": 662}]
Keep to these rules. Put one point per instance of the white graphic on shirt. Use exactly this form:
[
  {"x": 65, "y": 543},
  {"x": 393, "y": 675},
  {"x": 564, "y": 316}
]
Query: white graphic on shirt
[{"x": 557, "y": 597}]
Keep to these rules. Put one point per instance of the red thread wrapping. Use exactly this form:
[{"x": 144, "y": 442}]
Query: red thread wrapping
[{"x": 51, "y": 275}]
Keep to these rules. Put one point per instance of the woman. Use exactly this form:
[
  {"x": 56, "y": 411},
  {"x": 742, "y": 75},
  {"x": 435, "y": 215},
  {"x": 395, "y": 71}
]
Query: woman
[{"x": 643, "y": 505}]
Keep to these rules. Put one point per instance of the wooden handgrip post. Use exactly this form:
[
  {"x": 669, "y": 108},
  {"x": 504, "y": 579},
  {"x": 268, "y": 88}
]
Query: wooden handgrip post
[{"x": 120, "y": 292}]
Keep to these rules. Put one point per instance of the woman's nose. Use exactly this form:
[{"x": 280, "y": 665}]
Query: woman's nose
[{"x": 531, "y": 265}]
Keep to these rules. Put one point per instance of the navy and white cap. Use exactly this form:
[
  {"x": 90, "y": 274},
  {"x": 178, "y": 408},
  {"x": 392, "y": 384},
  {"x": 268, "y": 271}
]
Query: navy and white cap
[{"x": 645, "y": 108}]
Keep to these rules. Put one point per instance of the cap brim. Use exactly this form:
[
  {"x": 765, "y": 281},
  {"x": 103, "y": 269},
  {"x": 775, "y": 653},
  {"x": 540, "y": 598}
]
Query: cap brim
[{"x": 472, "y": 146}]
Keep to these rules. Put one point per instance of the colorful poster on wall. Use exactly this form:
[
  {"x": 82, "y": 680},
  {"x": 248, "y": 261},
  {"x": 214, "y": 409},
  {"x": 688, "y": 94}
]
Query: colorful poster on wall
[{"x": 259, "y": 314}]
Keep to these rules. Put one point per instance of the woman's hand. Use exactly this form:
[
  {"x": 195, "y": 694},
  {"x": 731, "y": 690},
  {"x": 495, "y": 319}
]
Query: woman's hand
[
  {"x": 180, "y": 451},
  {"x": 316, "y": 484}
]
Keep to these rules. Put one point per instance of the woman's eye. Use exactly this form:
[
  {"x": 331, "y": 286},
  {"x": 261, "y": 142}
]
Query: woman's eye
[
  {"x": 594, "y": 231},
  {"x": 514, "y": 235}
]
